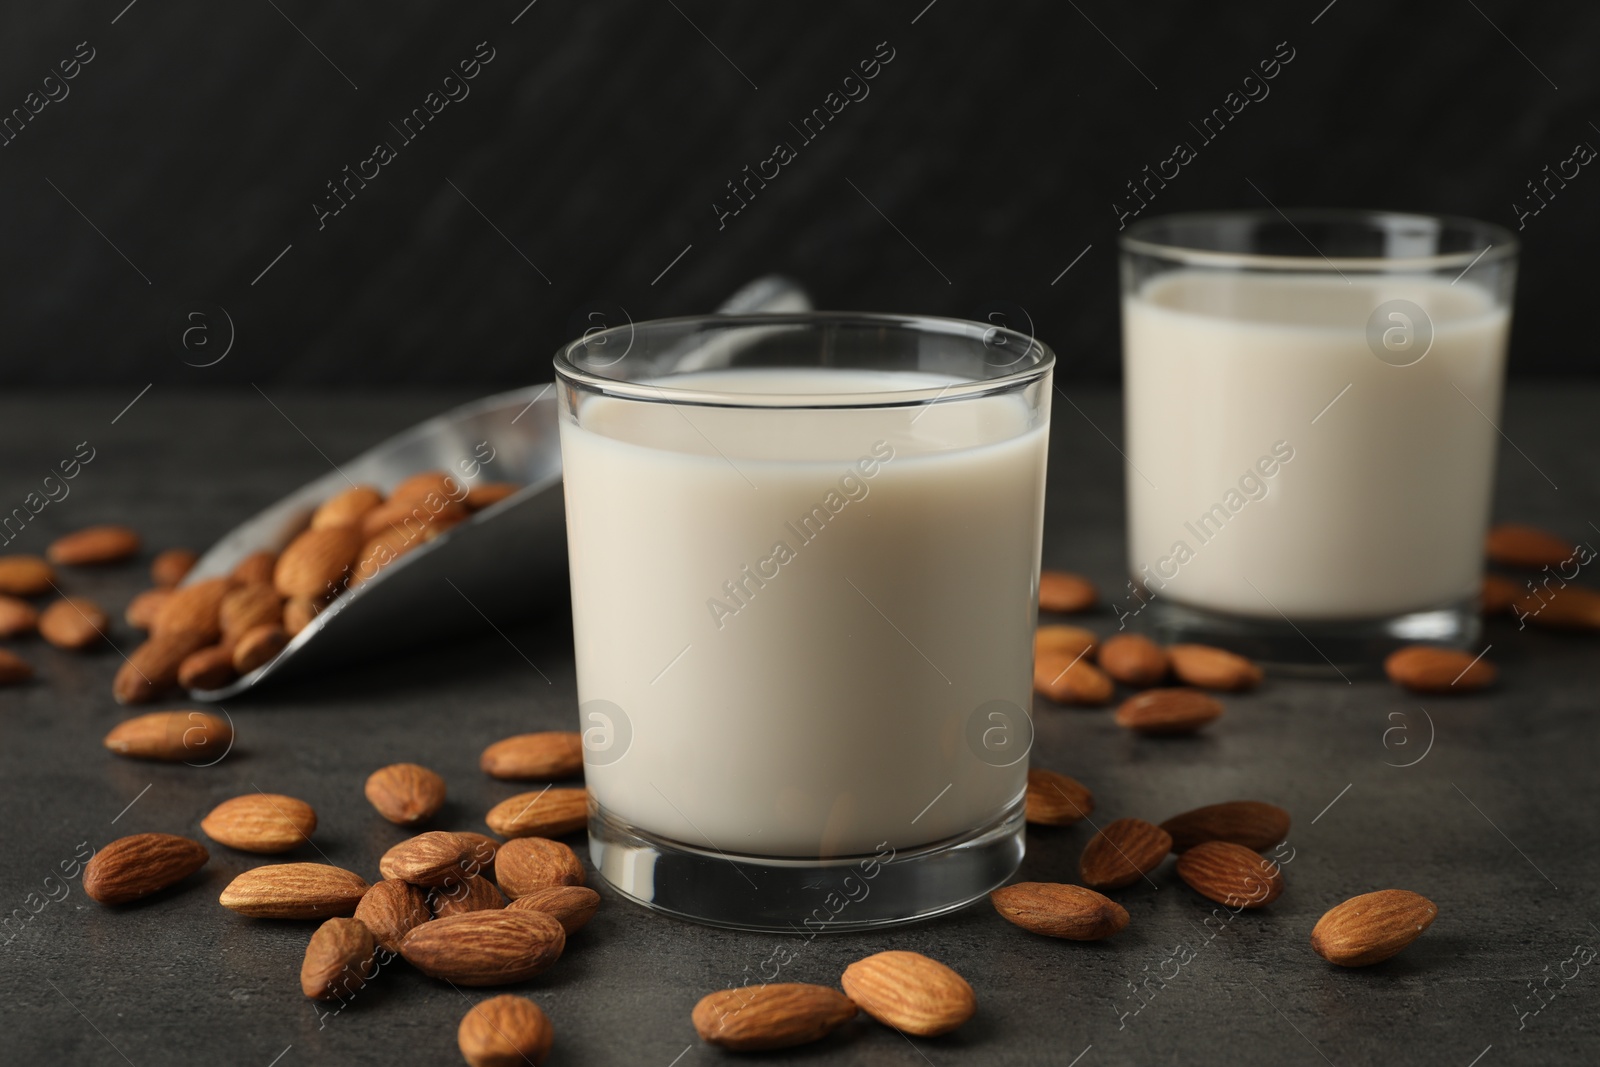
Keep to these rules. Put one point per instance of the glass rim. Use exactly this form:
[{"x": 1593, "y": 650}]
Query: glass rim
[
  {"x": 981, "y": 335},
  {"x": 1500, "y": 243}
]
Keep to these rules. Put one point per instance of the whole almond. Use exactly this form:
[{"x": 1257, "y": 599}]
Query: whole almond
[
  {"x": 143, "y": 608},
  {"x": 74, "y": 623},
  {"x": 152, "y": 668},
  {"x": 25, "y": 576},
  {"x": 94, "y": 545},
  {"x": 1515, "y": 545},
  {"x": 347, "y": 507},
  {"x": 415, "y": 518},
  {"x": 405, "y": 793},
  {"x": 1074, "y": 642},
  {"x": 1122, "y": 852},
  {"x": 910, "y": 992},
  {"x": 757, "y": 1018},
  {"x": 133, "y": 867},
  {"x": 489, "y": 494},
  {"x": 1056, "y": 800},
  {"x": 261, "y": 822},
  {"x": 1570, "y": 608},
  {"x": 190, "y": 736},
  {"x": 1071, "y": 681},
  {"x": 556, "y": 754},
  {"x": 339, "y": 960},
  {"x": 391, "y": 909},
  {"x": 505, "y": 1031},
  {"x": 1250, "y": 823},
  {"x": 17, "y": 617},
  {"x": 247, "y": 606},
  {"x": 542, "y": 813},
  {"x": 1230, "y": 874},
  {"x": 1425, "y": 669},
  {"x": 1168, "y": 711},
  {"x": 1055, "y": 909},
  {"x": 1134, "y": 660},
  {"x": 461, "y": 895},
  {"x": 1497, "y": 595},
  {"x": 528, "y": 863},
  {"x": 1372, "y": 927},
  {"x": 172, "y": 566},
  {"x": 429, "y": 859},
  {"x": 194, "y": 609},
  {"x": 295, "y": 891},
  {"x": 314, "y": 563},
  {"x": 420, "y": 486},
  {"x": 298, "y": 613},
  {"x": 485, "y": 947},
  {"x": 1066, "y": 593},
  {"x": 572, "y": 905},
  {"x": 484, "y": 849},
  {"x": 380, "y": 551},
  {"x": 209, "y": 668},
  {"x": 255, "y": 568},
  {"x": 259, "y": 646},
  {"x": 1213, "y": 668},
  {"x": 14, "y": 670}
]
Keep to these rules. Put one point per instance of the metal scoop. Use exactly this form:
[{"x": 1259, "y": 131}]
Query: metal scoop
[{"x": 492, "y": 568}]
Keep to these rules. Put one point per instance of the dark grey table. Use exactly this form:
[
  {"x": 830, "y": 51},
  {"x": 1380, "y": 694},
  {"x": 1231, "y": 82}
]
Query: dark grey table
[{"x": 1496, "y": 823}]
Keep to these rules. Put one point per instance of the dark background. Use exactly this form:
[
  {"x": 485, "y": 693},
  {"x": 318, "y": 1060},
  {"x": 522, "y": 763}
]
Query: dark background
[{"x": 595, "y": 142}]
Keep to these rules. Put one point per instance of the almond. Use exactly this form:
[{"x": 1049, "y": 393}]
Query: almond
[
  {"x": 14, "y": 670},
  {"x": 412, "y": 518},
  {"x": 461, "y": 895},
  {"x": 94, "y": 545},
  {"x": 1074, "y": 642},
  {"x": 1134, "y": 660},
  {"x": 429, "y": 859},
  {"x": 405, "y": 793},
  {"x": 910, "y": 992},
  {"x": 1372, "y": 927},
  {"x": 259, "y": 646},
  {"x": 1055, "y": 909},
  {"x": 1168, "y": 711},
  {"x": 484, "y": 849},
  {"x": 1122, "y": 852},
  {"x": 543, "y": 813},
  {"x": 261, "y": 822},
  {"x": 314, "y": 564},
  {"x": 1213, "y": 668},
  {"x": 133, "y": 867},
  {"x": 152, "y": 668},
  {"x": 380, "y": 551},
  {"x": 143, "y": 609},
  {"x": 74, "y": 623},
  {"x": 505, "y": 1031},
  {"x": 557, "y": 754},
  {"x": 172, "y": 566},
  {"x": 420, "y": 486},
  {"x": 193, "y": 609},
  {"x": 345, "y": 508},
  {"x": 256, "y": 567},
  {"x": 1250, "y": 823},
  {"x": 529, "y": 863},
  {"x": 339, "y": 960},
  {"x": 1497, "y": 595},
  {"x": 1569, "y": 608},
  {"x": 25, "y": 576},
  {"x": 17, "y": 617},
  {"x": 1066, "y": 593},
  {"x": 391, "y": 909},
  {"x": 1514, "y": 545},
  {"x": 761, "y": 1017},
  {"x": 1071, "y": 681},
  {"x": 485, "y": 947},
  {"x": 209, "y": 668},
  {"x": 489, "y": 494},
  {"x": 572, "y": 905},
  {"x": 1056, "y": 800},
  {"x": 294, "y": 891},
  {"x": 1424, "y": 669},
  {"x": 247, "y": 606},
  {"x": 298, "y": 613},
  {"x": 171, "y": 736},
  {"x": 1230, "y": 874}
]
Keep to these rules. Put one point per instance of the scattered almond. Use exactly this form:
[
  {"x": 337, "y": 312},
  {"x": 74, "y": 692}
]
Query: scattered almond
[
  {"x": 1122, "y": 852},
  {"x": 461, "y": 895},
  {"x": 1213, "y": 668},
  {"x": 171, "y": 736},
  {"x": 485, "y": 947},
  {"x": 1569, "y": 608},
  {"x": 314, "y": 563},
  {"x": 1168, "y": 711},
  {"x": 94, "y": 545},
  {"x": 505, "y": 1031},
  {"x": 1514, "y": 545},
  {"x": 484, "y": 849},
  {"x": 1066, "y": 593},
  {"x": 405, "y": 793},
  {"x": 1230, "y": 874},
  {"x": 1074, "y": 642},
  {"x": 143, "y": 609},
  {"x": 528, "y": 863},
  {"x": 756, "y": 1018},
  {"x": 25, "y": 576},
  {"x": 1056, "y": 909},
  {"x": 1497, "y": 595},
  {"x": 255, "y": 568},
  {"x": 247, "y": 606},
  {"x": 556, "y": 754},
  {"x": 1069, "y": 681},
  {"x": 1250, "y": 823},
  {"x": 261, "y": 822},
  {"x": 133, "y": 867},
  {"x": 345, "y": 508},
  {"x": 1372, "y": 927},
  {"x": 339, "y": 960},
  {"x": 172, "y": 566},
  {"x": 572, "y": 905},
  {"x": 489, "y": 494},
  {"x": 1425, "y": 669},
  {"x": 258, "y": 647},
  {"x": 14, "y": 670},
  {"x": 542, "y": 813},
  {"x": 429, "y": 859},
  {"x": 910, "y": 992},
  {"x": 74, "y": 623},
  {"x": 152, "y": 668},
  {"x": 1056, "y": 800},
  {"x": 209, "y": 668},
  {"x": 193, "y": 609},
  {"x": 391, "y": 909},
  {"x": 1134, "y": 660},
  {"x": 294, "y": 891},
  {"x": 18, "y": 618}
]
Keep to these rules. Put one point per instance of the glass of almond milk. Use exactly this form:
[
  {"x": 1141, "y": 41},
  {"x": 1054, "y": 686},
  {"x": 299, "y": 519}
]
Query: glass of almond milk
[
  {"x": 1311, "y": 403},
  {"x": 804, "y": 555}
]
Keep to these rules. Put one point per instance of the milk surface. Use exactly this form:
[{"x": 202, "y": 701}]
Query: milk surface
[
  {"x": 1381, "y": 507},
  {"x": 799, "y": 610}
]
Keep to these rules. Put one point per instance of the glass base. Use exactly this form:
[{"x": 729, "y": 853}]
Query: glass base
[
  {"x": 1316, "y": 647},
  {"x": 805, "y": 895}
]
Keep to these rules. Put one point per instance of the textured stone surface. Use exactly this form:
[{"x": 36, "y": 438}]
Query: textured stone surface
[{"x": 1489, "y": 824}]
